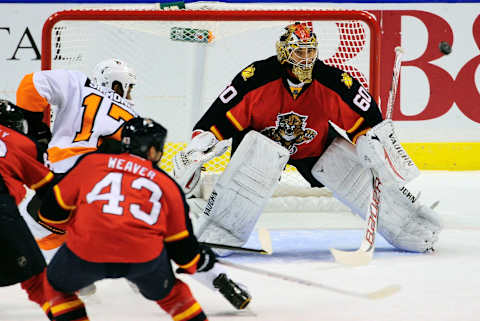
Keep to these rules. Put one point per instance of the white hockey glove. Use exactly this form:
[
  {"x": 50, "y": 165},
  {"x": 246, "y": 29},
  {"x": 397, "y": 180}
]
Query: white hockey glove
[
  {"x": 380, "y": 150},
  {"x": 187, "y": 163}
]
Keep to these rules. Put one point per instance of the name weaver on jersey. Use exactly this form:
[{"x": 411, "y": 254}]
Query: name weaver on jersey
[{"x": 278, "y": 111}]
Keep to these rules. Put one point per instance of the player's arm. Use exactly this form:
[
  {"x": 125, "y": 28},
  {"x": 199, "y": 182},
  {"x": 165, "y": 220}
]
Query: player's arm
[
  {"x": 38, "y": 90},
  {"x": 356, "y": 110},
  {"x": 180, "y": 242},
  {"x": 377, "y": 144},
  {"x": 33, "y": 173},
  {"x": 229, "y": 113},
  {"x": 60, "y": 200}
]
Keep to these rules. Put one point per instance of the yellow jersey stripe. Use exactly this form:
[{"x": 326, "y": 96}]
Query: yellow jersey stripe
[
  {"x": 216, "y": 132},
  {"x": 234, "y": 121},
  {"x": 363, "y": 132},
  {"x": 60, "y": 201},
  {"x": 176, "y": 237},
  {"x": 357, "y": 124},
  {"x": 43, "y": 181},
  {"x": 191, "y": 263}
]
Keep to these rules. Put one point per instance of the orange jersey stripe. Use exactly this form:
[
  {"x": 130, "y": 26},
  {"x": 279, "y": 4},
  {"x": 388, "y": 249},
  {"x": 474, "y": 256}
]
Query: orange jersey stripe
[
  {"x": 51, "y": 241},
  {"x": 28, "y": 97},
  {"x": 56, "y": 154}
]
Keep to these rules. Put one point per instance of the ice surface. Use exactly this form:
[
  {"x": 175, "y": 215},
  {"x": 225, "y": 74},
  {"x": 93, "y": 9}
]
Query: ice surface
[{"x": 442, "y": 286}]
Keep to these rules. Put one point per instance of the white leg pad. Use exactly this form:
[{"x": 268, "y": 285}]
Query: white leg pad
[
  {"x": 403, "y": 222},
  {"x": 242, "y": 191}
]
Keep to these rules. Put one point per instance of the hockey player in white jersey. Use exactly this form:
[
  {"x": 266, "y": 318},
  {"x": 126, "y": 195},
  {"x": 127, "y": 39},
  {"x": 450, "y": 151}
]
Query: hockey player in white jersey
[{"x": 86, "y": 112}]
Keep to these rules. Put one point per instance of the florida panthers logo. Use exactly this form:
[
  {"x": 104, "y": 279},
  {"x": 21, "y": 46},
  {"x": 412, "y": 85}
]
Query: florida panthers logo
[{"x": 290, "y": 131}]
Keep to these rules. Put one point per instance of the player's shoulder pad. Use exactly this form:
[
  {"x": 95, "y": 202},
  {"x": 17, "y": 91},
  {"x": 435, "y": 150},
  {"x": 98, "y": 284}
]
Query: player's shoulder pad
[
  {"x": 334, "y": 78},
  {"x": 259, "y": 73}
]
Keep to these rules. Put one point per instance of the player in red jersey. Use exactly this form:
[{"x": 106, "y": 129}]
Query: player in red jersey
[
  {"x": 22, "y": 260},
  {"x": 285, "y": 106},
  {"x": 136, "y": 217}
]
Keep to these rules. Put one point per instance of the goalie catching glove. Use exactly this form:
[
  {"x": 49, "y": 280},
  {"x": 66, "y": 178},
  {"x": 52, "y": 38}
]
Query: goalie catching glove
[{"x": 187, "y": 163}]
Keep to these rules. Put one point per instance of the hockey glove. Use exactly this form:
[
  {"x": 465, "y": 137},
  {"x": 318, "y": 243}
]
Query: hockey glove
[
  {"x": 207, "y": 259},
  {"x": 206, "y": 262},
  {"x": 187, "y": 163}
]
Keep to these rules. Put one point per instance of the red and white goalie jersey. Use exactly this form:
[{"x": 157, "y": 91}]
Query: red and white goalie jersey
[
  {"x": 18, "y": 164},
  {"x": 85, "y": 112},
  {"x": 121, "y": 208}
]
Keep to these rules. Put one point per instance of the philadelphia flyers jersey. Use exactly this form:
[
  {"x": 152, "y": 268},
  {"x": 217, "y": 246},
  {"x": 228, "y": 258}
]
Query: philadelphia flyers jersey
[
  {"x": 85, "y": 112},
  {"x": 262, "y": 98},
  {"x": 121, "y": 208},
  {"x": 18, "y": 164}
]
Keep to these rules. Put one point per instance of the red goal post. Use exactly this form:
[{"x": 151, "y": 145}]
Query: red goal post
[{"x": 185, "y": 58}]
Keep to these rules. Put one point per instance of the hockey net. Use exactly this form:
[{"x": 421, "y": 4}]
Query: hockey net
[{"x": 185, "y": 58}]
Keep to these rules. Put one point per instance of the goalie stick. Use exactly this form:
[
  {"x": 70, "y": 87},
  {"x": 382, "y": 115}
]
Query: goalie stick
[
  {"x": 374, "y": 295},
  {"x": 236, "y": 248},
  {"x": 265, "y": 243},
  {"x": 364, "y": 254}
]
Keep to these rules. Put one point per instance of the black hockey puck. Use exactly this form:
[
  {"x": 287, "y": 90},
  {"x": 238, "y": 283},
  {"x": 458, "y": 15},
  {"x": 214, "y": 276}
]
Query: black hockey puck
[{"x": 445, "y": 47}]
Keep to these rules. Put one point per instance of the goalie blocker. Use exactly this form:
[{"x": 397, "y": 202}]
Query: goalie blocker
[{"x": 403, "y": 221}]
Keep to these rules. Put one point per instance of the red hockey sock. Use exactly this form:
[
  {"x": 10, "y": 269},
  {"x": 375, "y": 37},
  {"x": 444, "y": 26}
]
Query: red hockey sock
[
  {"x": 64, "y": 306},
  {"x": 181, "y": 304},
  {"x": 35, "y": 290}
]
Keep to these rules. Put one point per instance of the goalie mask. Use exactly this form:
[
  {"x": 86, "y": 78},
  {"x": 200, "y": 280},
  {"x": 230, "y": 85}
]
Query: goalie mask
[
  {"x": 298, "y": 47},
  {"x": 115, "y": 74},
  {"x": 139, "y": 134},
  {"x": 12, "y": 116}
]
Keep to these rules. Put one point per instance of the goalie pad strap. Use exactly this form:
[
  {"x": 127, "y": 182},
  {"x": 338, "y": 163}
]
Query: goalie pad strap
[{"x": 242, "y": 191}]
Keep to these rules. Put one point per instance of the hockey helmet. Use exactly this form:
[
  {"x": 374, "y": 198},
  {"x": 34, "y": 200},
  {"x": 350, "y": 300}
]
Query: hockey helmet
[
  {"x": 115, "y": 71},
  {"x": 12, "y": 116},
  {"x": 139, "y": 134},
  {"x": 298, "y": 47}
]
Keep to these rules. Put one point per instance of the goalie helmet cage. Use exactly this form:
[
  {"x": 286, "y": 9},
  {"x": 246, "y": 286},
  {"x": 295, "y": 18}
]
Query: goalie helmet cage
[{"x": 185, "y": 58}]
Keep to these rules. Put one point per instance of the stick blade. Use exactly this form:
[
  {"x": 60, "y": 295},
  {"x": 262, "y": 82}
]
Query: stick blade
[
  {"x": 265, "y": 241},
  {"x": 352, "y": 258},
  {"x": 385, "y": 292}
]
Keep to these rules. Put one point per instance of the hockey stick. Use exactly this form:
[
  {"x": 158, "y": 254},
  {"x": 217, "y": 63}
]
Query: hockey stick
[
  {"x": 236, "y": 248},
  {"x": 396, "y": 74},
  {"x": 265, "y": 242},
  {"x": 364, "y": 254},
  {"x": 378, "y": 294}
]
